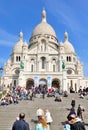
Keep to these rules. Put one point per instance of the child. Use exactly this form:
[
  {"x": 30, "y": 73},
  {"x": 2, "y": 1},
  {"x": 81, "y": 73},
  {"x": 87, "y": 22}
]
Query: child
[{"x": 67, "y": 125}]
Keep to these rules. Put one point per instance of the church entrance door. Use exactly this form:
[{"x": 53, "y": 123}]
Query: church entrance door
[
  {"x": 29, "y": 83},
  {"x": 42, "y": 82},
  {"x": 56, "y": 83}
]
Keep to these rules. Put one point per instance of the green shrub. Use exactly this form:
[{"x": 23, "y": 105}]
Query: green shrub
[{"x": 0, "y": 95}]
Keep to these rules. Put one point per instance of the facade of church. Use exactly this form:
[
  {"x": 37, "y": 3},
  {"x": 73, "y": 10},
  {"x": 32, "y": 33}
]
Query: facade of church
[{"x": 44, "y": 61}]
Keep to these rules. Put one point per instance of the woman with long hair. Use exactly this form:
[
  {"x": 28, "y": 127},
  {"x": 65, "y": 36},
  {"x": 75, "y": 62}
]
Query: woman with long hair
[{"x": 41, "y": 125}]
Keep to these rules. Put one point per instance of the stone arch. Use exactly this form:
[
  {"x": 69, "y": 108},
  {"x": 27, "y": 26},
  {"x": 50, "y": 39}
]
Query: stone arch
[
  {"x": 56, "y": 83},
  {"x": 42, "y": 82},
  {"x": 29, "y": 83}
]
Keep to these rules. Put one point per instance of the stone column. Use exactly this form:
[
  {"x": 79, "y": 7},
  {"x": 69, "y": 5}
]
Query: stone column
[
  {"x": 21, "y": 78},
  {"x": 64, "y": 80}
]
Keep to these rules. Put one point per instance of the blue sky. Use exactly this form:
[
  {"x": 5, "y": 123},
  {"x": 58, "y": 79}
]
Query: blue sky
[{"x": 62, "y": 15}]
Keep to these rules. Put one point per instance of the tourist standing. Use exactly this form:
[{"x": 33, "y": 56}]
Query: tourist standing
[
  {"x": 48, "y": 118},
  {"x": 39, "y": 113},
  {"x": 21, "y": 124},
  {"x": 43, "y": 92},
  {"x": 80, "y": 111},
  {"x": 73, "y": 103}
]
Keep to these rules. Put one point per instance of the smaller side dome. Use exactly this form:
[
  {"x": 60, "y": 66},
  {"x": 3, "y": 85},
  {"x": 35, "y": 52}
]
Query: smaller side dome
[
  {"x": 18, "y": 46},
  {"x": 67, "y": 45}
]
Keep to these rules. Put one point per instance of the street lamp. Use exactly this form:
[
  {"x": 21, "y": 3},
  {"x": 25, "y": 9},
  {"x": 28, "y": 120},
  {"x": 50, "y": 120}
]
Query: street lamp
[{"x": 1, "y": 70}]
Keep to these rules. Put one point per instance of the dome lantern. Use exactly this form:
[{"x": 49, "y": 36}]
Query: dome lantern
[
  {"x": 43, "y": 15},
  {"x": 66, "y": 36},
  {"x": 21, "y": 36}
]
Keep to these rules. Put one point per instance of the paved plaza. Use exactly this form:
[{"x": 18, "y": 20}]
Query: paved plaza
[{"x": 59, "y": 111}]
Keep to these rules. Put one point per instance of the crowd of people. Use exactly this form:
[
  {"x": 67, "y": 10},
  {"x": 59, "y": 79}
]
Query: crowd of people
[
  {"x": 18, "y": 93},
  {"x": 74, "y": 118},
  {"x": 44, "y": 120}
]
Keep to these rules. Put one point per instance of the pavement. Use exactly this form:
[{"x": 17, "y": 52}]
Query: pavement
[{"x": 59, "y": 111}]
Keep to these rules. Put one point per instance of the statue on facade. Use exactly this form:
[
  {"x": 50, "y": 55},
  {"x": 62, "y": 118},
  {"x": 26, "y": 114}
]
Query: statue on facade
[
  {"x": 22, "y": 65},
  {"x": 63, "y": 65}
]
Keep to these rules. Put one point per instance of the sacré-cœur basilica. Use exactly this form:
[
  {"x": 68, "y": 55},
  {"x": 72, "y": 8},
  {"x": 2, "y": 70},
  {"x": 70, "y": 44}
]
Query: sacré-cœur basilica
[{"x": 44, "y": 61}]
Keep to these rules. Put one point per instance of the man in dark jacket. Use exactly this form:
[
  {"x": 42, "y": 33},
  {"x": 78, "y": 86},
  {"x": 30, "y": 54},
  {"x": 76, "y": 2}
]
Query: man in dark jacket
[
  {"x": 20, "y": 124},
  {"x": 76, "y": 125}
]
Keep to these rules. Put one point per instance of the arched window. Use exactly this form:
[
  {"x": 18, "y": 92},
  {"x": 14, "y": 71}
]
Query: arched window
[
  {"x": 43, "y": 62},
  {"x": 54, "y": 64},
  {"x": 16, "y": 58},
  {"x": 67, "y": 58},
  {"x": 70, "y": 58},
  {"x": 32, "y": 68},
  {"x": 14, "y": 82},
  {"x": 19, "y": 58}
]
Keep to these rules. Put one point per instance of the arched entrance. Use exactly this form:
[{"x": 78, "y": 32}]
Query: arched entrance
[
  {"x": 42, "y": 82},
  {"x": 56, "y": 83},
  {"x": 29, "y": 83}
]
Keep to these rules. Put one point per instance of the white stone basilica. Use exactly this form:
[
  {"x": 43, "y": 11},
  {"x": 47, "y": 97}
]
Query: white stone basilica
[{"x": 41, "y": 61}]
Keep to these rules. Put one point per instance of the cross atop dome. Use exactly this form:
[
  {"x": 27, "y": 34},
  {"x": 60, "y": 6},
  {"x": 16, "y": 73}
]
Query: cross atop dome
[
  {"x": 21, "y": 36},
  {"x": 66, "y": 36},
  {"x": 43, "y": 15}
]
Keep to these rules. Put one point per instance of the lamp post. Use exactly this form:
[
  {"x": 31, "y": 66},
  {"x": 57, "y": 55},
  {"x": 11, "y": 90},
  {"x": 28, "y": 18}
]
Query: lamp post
[{"x": 1, "y": 70}]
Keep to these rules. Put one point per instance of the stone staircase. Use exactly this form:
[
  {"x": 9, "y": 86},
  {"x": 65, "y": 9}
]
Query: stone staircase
[
  {"x": 9, "y": 113},
  {"x": 58, "y": 110}
]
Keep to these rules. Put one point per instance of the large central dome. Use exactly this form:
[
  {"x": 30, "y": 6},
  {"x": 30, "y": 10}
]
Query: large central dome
[{"x": 43, "y": 27}]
